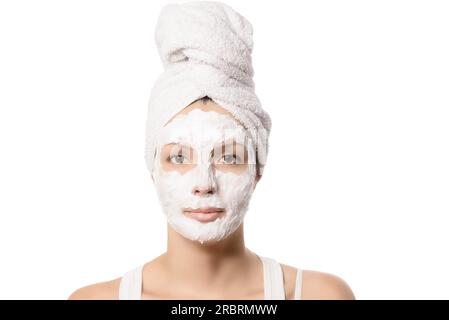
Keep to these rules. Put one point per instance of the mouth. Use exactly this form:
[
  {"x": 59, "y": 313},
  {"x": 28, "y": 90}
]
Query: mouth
[{"x": 204, "y": 214}]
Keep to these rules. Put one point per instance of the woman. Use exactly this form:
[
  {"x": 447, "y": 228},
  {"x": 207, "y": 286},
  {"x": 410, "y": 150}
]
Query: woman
[{"x": 207, "y": 141}]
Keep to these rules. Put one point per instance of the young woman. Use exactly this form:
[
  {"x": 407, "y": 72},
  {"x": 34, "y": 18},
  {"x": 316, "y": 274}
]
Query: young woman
[{"x": 207, "y": 140}]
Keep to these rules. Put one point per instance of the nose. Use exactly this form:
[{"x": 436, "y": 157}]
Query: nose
[{"x": 203, "y": 191}]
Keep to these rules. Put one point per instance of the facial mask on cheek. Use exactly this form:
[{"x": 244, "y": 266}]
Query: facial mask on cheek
[{"x": 202, "y": 130}]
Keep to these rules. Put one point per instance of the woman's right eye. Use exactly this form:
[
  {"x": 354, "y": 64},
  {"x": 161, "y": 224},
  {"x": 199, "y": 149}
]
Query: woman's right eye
[{"x": 177, "y": 159}]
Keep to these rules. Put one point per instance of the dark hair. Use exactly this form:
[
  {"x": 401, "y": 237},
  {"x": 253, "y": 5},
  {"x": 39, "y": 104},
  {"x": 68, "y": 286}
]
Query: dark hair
[{"x": 205, "y": 99}]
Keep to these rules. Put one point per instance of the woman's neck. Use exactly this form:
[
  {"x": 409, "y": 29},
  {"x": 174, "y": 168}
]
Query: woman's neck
[{"x": 210, "y": 264}]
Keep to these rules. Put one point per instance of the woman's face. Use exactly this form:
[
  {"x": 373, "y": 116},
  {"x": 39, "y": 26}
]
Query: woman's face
[{"x": 205, "y": 172}]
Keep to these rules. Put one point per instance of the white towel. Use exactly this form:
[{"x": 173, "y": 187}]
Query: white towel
[{"x": 205, "y": 48}]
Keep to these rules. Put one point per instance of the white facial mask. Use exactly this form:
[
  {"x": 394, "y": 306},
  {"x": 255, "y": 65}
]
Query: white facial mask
[{"x": 202, "y": 130}]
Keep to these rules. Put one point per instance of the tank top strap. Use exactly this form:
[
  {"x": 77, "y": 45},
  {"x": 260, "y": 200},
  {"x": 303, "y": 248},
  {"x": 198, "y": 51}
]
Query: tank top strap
[
  {"x": 273, "y": 279},
  {"x": 131, "y": 285},
  {"x": 298, "y": 285}
]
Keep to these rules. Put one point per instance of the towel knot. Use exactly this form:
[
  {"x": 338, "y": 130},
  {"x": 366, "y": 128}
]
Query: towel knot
[{"x": 202, "y": 32}]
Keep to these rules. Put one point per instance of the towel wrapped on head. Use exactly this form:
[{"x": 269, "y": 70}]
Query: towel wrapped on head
[{"x": 205, "y": 48}]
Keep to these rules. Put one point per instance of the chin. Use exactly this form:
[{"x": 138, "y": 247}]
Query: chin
[{"x": 206, "y": 232}]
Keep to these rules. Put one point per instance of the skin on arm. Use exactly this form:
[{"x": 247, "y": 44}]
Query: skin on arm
[
  {"x": 107, "y": 290},
  {"x": 324, "y": 286}
]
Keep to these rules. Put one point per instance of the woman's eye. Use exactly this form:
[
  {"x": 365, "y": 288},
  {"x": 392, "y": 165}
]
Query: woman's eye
[
  {"x": 178, "y": 159},
  {"x": 229, "y": 159}
]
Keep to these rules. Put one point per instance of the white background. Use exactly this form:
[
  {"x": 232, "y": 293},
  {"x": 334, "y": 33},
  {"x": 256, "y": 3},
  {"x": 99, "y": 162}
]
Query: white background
[{"x": 357, "y": 179}]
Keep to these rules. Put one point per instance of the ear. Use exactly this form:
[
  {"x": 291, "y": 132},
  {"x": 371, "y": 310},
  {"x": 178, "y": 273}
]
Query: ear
[
  {"x": 258, "y": 176},
  {"x": 256, "y": 180}
]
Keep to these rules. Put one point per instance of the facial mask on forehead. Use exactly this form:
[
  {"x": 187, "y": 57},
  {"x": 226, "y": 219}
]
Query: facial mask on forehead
[{"x": 203, "y": 131}]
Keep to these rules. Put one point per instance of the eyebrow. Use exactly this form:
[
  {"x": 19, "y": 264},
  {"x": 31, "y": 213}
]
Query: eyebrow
[
  {"x": 233, "y": 142},
  {"x": 178, "y": 144},
  {"x": 222, "y": 144}
]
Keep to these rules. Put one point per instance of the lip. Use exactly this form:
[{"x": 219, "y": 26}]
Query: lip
[{"x": 204, "y": 214}]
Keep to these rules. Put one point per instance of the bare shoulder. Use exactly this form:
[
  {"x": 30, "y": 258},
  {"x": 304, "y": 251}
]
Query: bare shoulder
[
  {"x": 289, "y": 273},
  {"x": 107, "y": 290},
  {"x": 318, "y": 285}
]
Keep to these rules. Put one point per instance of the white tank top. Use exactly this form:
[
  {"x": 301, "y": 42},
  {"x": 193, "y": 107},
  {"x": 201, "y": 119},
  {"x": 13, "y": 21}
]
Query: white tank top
[{"x": 131, "y": 282}]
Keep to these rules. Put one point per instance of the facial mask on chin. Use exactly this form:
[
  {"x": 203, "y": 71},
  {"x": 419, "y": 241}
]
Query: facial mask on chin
[{"x": 202, "y": 130}]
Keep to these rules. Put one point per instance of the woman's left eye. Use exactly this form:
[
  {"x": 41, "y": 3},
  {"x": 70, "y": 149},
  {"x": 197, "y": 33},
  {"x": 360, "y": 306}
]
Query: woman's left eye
[{"x": 229, "y": 159}]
